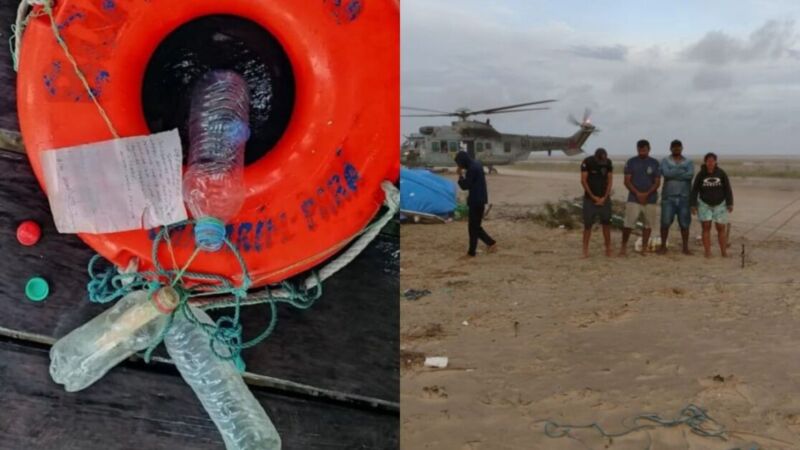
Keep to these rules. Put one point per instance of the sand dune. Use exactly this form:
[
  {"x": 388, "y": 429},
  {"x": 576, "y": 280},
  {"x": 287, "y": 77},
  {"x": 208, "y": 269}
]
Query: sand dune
[{"x": 533, "y": 332}]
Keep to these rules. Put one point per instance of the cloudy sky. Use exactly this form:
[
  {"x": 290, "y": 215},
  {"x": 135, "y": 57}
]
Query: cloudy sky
[{"x": 721, "y": 75}]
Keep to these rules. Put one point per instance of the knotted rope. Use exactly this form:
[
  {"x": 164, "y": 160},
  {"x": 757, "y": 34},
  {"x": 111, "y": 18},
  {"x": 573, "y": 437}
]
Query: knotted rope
[{"x": 110, "y": 285}]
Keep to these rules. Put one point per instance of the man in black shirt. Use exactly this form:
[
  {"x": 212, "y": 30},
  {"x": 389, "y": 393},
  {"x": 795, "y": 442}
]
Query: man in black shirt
[
  {"x": 474, "y": 181},
  {"x": 597, "y": 179}
]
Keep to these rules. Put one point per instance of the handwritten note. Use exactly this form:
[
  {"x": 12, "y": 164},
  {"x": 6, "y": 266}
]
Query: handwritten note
[{"x": 117, "y": 185}]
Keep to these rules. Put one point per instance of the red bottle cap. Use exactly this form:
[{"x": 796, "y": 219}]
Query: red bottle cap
[{"x": 28, "y": 233}]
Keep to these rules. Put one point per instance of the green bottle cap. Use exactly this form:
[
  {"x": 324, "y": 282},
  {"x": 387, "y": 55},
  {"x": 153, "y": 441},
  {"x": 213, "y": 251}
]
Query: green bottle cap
[{"x": 37, "y": 289}]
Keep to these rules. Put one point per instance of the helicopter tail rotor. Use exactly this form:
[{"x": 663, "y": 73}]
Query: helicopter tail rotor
[
  {"x": 571, "y": 119},
  {"x": 585, "y": 122}
]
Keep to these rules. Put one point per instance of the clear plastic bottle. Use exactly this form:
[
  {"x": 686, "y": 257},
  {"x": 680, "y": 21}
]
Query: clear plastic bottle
[
  {"x": 239, "y": 417},
  {"x": 213, "y": 186},
  {"x": 83, "y": 356}
]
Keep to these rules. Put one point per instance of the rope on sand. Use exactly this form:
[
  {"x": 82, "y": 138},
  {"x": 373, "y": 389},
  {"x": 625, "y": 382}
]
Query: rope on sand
[
  {"x": 771, "y": 216},
  {"x": 692, "y": 416}
]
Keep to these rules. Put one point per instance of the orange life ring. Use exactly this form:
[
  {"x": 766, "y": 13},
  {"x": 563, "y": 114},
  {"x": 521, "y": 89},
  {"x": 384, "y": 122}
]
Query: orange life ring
[{"x": 311, "y": 193}]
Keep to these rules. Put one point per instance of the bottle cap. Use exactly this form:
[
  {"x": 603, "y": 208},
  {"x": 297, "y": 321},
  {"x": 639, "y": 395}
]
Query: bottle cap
[
  {"x": 209, "y": 234},
  {"x": 37, "y": 289},
  {"x": 166, "y": 299},
  {"x": 28, "y": 233}
]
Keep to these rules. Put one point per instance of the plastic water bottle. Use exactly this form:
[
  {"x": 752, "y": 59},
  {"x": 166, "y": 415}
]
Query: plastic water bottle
[
  {"x": 213, "y": 186},
  {"x": 83, "y": 356},
  {"x": 239, "y": 417}
]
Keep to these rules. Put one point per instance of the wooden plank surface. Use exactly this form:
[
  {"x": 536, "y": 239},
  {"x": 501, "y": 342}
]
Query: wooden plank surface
[
  {"x": 8, "y": 78},
  {"x": 138, "y": 407}
]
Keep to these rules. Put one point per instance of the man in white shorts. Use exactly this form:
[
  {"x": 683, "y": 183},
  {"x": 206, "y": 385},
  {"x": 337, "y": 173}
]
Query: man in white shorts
[{"x": 642, "y": 178}]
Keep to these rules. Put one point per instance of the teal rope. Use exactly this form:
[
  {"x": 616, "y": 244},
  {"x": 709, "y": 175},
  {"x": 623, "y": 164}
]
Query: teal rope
[
  {"x": 693, "y": 416},
  {"x": 225, "y": 335},
  {"x": 109, "y": 285},
  {"x": 297, "y": 297}
]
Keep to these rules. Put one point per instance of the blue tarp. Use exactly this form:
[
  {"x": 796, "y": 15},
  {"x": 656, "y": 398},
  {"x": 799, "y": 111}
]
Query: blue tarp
[{"x": 422, "y": 191}]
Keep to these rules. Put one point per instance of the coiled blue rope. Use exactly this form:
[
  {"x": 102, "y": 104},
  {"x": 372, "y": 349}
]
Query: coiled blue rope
[
  {"x": 693, "y": 416},
  {"x": 225, "y": 335}
]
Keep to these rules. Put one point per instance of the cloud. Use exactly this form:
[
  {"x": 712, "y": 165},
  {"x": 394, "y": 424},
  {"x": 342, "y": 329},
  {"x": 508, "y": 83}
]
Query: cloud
[
  {"x": 638, "y": 80},
  {"x": 726, "y": 91},
  {"x": 712, "y": 79},
  {"x": 774, "y": 40},
  {"x": 715, "y": 48},
  {"x": 609, "y": 53}
]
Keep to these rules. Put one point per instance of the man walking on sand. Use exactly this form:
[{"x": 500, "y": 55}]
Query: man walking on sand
[
  {"x": 597, "y": 179},
  {"x": 472, "y": 179},
  {"x": 677, "y": 172},
  {"x": 642, "y": 178}
]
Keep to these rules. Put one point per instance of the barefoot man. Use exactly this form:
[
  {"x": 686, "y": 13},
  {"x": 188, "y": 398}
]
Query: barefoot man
[
  {"x": 678, "y": 173},
  {"x": 472, "y": 179},
  {"x": 642, "y": 178},
  {"x": 712, "y": 200},
  {"x": 596, "y": 178}
]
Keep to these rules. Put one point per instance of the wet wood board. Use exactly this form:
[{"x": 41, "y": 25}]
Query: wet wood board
[{"x": 138, "y": 406}]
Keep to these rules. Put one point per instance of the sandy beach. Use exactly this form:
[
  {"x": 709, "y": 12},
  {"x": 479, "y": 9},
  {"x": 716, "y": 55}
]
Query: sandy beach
[{"x": 534, "y": 332}]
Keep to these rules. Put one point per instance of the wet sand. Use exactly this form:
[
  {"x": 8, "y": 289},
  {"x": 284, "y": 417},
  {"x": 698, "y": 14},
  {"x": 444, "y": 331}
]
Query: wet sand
[{"x": 534, "y": 332}]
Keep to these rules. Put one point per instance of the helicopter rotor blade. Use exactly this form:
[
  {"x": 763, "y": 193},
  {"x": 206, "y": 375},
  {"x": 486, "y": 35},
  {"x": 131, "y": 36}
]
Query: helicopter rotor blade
[
  {"x": 410, "y": 108},
  {"x": 501, "y": 108},
  {"x": 429, "y": 115},
  {"x": 517, "y": 110},
  {"x": 571, "y": 119},
  {"x": 586, "y": 114}
]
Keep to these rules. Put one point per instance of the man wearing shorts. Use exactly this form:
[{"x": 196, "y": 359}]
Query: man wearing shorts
[
  {"x": 712, "y": 200},
  {"x": 678, "y": 173},
  {"x": 642, "y": 178},
  {"x": 596, "y": 179}
]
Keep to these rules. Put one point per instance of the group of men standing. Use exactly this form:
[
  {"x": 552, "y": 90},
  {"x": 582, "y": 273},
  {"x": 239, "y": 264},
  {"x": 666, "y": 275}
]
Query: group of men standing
[{"x": 710, "y": 197}]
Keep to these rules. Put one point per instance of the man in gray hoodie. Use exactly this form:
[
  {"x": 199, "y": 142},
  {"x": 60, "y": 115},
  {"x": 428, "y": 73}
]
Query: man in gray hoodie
[{"x": 677, "y": 172}]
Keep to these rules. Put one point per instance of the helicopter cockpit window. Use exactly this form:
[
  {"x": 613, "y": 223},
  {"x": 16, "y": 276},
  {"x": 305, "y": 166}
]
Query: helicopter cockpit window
[
  {"x": 434, "y": 146},
  {"x": 453, "y": 146},
  {"x": 480, "y": 146},
  {"x": 507, "y": 147}
]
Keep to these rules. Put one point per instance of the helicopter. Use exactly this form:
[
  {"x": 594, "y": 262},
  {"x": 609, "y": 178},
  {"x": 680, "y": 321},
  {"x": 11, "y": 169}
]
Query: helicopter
[{"x": 436, "y": 146}]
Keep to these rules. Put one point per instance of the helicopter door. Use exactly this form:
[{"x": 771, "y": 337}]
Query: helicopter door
[{"x": 470, "y": 148}]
